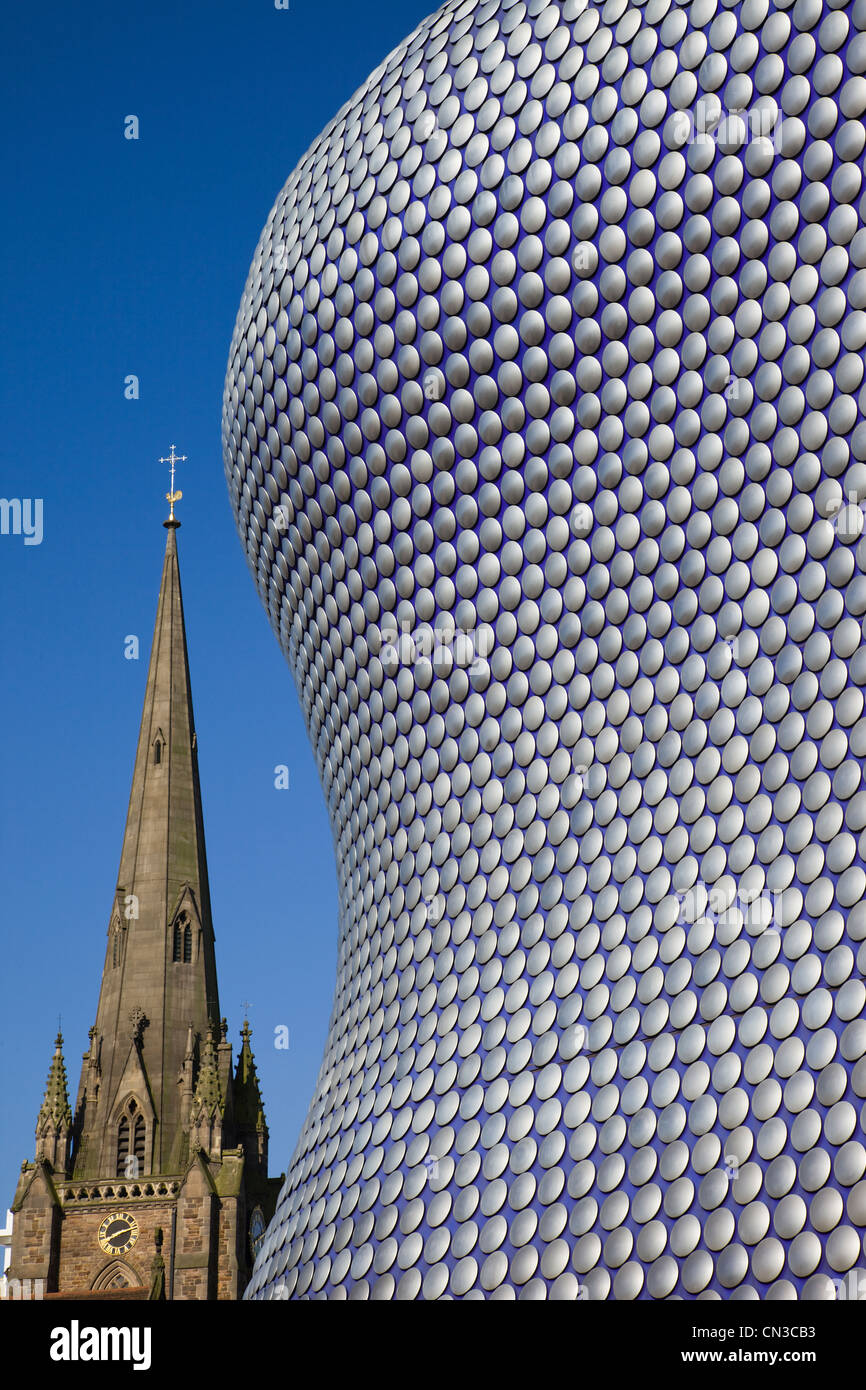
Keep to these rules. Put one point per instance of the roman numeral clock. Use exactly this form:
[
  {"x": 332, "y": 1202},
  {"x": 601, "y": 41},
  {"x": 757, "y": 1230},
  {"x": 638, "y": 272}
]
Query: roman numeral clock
[{"x": 118, "y": 1233}]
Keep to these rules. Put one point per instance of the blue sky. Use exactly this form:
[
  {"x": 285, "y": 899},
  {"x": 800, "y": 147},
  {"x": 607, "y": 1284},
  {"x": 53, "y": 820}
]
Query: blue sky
[{"x": 125, "y": 257}]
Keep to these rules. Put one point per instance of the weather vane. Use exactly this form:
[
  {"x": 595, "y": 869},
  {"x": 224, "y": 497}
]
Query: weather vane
[{"x": 172, "y": 496}]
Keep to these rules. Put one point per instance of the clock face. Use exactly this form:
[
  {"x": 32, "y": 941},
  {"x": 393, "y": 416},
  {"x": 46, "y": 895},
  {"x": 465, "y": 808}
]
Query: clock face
[
  {"x": 118, "y": 1233},
  {"x": 257, "y": 1230}
]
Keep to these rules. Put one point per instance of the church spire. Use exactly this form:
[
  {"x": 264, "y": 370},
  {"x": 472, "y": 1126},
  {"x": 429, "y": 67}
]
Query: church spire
[
  {"x": 160, "y": 966},
  {"x": 153, "y": 1137},
  {"x": 248, "y": 1106},
  {"x": 209, "y": 1102},
  {"x": 208, "y": 1098},
  {"x": 54, "y": 1122}
]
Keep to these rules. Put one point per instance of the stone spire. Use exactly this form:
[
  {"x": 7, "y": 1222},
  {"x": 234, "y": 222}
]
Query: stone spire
[
  {"x": 209, "y": 1102},
  {"x": 54, "y": 1122},
  {"x": 155, "y": 1101},
  {"x": 160, "y": 972},
  {"x": 208, "y": 1092},
  {"x": 249, "y": 1111}
]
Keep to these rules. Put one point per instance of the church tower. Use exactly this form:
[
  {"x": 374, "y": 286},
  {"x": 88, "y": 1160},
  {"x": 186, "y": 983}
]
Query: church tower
[{"x": 156, "y": 1183}]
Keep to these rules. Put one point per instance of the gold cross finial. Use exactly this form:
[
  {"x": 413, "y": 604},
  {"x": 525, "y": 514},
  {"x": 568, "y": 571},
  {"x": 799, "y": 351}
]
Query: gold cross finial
[{"x": 172, "y": 496}]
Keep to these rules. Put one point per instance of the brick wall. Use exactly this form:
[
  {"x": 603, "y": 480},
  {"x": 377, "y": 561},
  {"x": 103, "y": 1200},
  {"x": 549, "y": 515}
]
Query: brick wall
[{"x": 82, "y": 1257}]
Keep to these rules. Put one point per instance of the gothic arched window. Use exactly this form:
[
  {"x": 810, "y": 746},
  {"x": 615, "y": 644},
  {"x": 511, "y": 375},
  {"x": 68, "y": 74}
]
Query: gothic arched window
[
  {"x": 182, "y": 940},
  {"x": 131, "y": 1142},
  {"x": 116, "y": 1275},
  {"x": 138, "y": 1143},
  {"x": 122, "y": 1146}
]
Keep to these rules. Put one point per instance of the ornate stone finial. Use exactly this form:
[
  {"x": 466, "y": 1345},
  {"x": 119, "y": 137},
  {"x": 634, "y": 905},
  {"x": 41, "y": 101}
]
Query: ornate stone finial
[
  {"x": 55, "y": 1106},
  {"x": 209, "y": 1097},
  {"x": 224, "y": 1029},
  {"x": 137, "y": 1021},
  {"x": 157, "y": 1270},
  {"x": 54, "y": 1120},
  {"x": 249, "y": 1111},
  {"x": 171, "y": 497}
]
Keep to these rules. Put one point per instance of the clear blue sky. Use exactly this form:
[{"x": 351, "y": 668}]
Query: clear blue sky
[{"x": 123, "y": 257}]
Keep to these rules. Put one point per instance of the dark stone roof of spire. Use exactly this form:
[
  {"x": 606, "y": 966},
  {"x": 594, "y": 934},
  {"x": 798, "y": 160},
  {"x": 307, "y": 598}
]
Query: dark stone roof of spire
[
  {"x": 162, "y": 880},
  {"x": 249, "y": 1109}
]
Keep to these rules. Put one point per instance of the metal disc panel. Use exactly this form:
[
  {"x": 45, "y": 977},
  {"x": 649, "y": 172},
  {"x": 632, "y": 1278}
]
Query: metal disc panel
[{"x": 544, "y": 432}]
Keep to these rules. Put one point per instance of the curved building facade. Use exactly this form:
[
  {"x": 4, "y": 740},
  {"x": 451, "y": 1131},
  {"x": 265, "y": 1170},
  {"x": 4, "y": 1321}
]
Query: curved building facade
[{"x": 544, "y": 432}]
